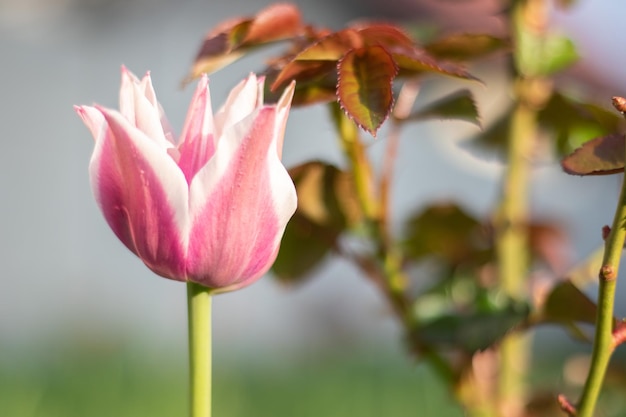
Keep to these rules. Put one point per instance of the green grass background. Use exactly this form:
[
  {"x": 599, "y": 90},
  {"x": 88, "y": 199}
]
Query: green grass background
[{"x": 105, "y": 381}]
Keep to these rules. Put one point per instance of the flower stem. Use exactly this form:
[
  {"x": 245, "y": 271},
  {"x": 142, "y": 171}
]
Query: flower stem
[
  {"x": 603, "y": 340},
  {"x": 199, "y": 313}
]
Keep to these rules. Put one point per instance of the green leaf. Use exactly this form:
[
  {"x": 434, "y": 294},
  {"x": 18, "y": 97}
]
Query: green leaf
[
  {"x": 573, "y": 123},
  {"x": 567, "y": 304},
  {"x": 600, "y": 156},
  {"x": 365, "y": 77},
  {"x": 448, "y": 232},
  {"x": 326, "y": 207},
  {"x": 472, "y": 332},
  {"x": 495, "y": 136},
  {"x": 458, "y": 106},
  {"x": 466, "y": 46},
  {"x": 569, "y": 123}
]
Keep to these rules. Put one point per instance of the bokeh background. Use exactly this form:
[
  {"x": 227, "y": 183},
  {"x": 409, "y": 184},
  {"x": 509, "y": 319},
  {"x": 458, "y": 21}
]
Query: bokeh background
[{"x": 87, "y": 330}]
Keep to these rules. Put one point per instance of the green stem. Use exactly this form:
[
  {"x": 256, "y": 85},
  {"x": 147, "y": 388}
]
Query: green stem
[
  {"x": 361, "y": 168},
  {"x": 603, "y": 340},
  {"x": 512, "y": 251},
  {"x": 386, "y": 271},
  {"x": 199, "y": 313}
]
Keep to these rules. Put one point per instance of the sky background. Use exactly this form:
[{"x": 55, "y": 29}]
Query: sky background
[{"x": 66, "y": 277}]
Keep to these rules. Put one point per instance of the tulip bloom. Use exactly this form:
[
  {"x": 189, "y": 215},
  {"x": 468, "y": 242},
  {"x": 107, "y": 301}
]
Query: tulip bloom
[{"x": 211, "y": 208}]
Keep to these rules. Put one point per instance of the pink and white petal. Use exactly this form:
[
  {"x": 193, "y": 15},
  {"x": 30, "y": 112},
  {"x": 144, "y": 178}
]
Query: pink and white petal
[
  {"x": 148, "y": 91},
  {"x": 197, "y": 143},
  {"x": 260, "y": 83},
  {"x": 127, "y": 94},
  {"x": 138, "y": 104},
  {"x": 142, "y": 194},
  {"x": 240, "y": 203},
  {"x": 145, "y": 86},
  {"x": 93, "y": 118},
  {"x": 148, "y": 119},
  {"x": 241, "y": 102},
  {"x": 283, "y": 106}
]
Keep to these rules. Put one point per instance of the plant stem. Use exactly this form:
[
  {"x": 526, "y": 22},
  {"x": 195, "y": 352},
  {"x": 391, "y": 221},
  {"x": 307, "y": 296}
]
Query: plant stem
[
  {"x": 385, "y": 267},
  {"x": 199, "y": 316},
  {"x": 512, "y": 253},
  {"x": 603, "y": 340},
  {"x": 359, "y": 164}
]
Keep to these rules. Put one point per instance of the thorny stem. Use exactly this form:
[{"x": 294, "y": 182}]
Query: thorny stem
[{"x": 603, "y": 343}]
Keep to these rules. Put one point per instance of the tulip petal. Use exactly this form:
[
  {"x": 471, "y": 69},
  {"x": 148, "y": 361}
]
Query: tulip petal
[
  {"x": 92, "y": 118},
  {"x": 139, "y": 105},
  {"x": 241, "y": 102},
  {"x": 240, "y": 203},
  {"x": 197, "y": 144},
  {"x": 142, "y": 194}
]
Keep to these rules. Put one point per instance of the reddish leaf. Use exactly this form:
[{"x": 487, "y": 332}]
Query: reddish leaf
[
  {"x": 390, "y": 37},
  {"x": 317, "y": 60},
  {"x": 321, "y": 88},
  {"x": 599, "y": 156},
  {"x": 417, "y": 61},
  {"x": 304, "y": 71},
  {"x": 231, "y": 39},
  {"x": 331, "y": 47},
  {"x": 466, "y": 46},
  {"x": 365, "y": 76},
  {"x": 275, "y": 22}
]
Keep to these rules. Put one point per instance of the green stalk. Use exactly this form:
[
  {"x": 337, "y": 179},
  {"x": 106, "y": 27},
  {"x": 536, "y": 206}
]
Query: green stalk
[
  {"x": 603, "y": 340},
  {"x": 386, "y": 271},
  {"x": 199, "y": 313},
  {"x": 359, "y": 163},
  {"x": 512, "y": 252}
]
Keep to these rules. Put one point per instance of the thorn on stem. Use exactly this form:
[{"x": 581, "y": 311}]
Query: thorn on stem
[
  {"x": 606, "y": 231},
  {"x": 566, "y": 406},
  {"x": 608, "y": 273},
  {"x": 619, "y": 333},
  {"x": 619, "y": 103}
]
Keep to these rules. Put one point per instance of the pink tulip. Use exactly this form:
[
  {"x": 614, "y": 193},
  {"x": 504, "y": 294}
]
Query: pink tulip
[{"x": 211, "y": 209}]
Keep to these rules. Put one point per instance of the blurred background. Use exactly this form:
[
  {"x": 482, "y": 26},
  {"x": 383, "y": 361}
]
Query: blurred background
[{"x": 87, "y": 330}]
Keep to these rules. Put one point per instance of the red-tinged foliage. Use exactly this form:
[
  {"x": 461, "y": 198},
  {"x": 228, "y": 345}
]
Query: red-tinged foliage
[
  {"x": 331, "y": 47},
  {"x": 358, "y": 63},
  {"x": 599, "y": 156},
  {"x": 232, "y": 38},
  {"x": 466, "y": 46},
  {"x": 388, "y": 36},
  {"x": 364, "y": 86}
]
